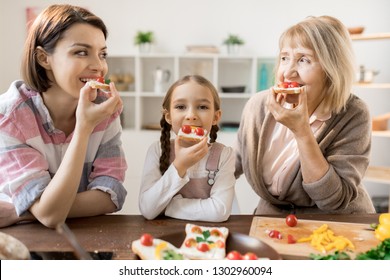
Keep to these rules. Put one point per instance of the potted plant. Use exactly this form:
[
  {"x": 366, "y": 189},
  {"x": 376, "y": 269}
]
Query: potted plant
[
  {"x": 233, "y": 43},
  {"x": 144, "y": 40}
]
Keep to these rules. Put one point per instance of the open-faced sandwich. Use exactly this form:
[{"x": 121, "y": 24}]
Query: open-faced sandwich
[
  {"x": 191, "y": 134},
  {"x": 288, "y": 87},
  {"x": 99, "y": 83},
  {"x": 205, "y": 243},
  {"x": 149, "y": 248}
]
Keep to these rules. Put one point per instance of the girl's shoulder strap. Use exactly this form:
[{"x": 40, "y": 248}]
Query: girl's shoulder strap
[{"x": 215, "y": 154}]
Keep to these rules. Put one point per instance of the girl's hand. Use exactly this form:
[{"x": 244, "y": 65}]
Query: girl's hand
[
  {"x": 185, "y": 157},
  {"x": 295, "y": 118},
  {"x": 90, "y": 114}
]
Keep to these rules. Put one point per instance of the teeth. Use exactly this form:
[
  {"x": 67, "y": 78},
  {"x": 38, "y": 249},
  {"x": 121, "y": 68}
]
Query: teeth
[{"x": 86, "y": 80}]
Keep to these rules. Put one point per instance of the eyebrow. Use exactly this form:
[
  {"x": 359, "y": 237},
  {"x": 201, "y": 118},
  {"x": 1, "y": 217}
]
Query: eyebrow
[
  {"x": 198, "y": 100},
  {"x": 85, "y": 46},
  {"x": 298, "y": 54}
]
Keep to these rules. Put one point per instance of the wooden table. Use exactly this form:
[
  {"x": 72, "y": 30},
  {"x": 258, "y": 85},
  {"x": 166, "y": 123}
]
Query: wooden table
[{"x": 114, "y": 233}]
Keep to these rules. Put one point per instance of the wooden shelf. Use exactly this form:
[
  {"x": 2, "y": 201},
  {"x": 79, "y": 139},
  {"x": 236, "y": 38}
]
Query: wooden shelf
[
  {"x": 384, "y": 133},
  {"x": 379, "y": 174},
  {"x": 375, "y": 36},
  {"x": 373, "y": 85}
]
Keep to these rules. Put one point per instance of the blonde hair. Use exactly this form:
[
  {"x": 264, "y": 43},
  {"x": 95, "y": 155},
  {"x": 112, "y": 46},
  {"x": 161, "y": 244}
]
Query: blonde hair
[
  {"x": 331, "y": 43},
  {"x": 166, "y": 127}
]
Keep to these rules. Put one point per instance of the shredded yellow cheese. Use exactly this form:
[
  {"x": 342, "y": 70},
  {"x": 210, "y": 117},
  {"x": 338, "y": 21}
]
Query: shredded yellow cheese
[
  {"x": 158, "y": 250},
  {"x": 323, "y": 239}
]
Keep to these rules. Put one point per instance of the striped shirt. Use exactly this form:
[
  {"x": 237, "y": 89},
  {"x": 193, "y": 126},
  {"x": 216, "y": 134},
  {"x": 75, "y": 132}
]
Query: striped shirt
[{"x": 32, "y": 149}]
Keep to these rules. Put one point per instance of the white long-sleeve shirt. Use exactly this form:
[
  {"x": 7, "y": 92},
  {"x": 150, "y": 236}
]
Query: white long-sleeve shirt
[{"x": 159, "y": 193}]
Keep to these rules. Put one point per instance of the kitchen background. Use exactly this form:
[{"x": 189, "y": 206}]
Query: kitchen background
[{"x": 180, "y": 23}]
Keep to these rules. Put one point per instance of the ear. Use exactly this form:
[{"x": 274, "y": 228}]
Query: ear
[
  {"x": 42, "y": 58},
  {"x": 217, "y": 117},
  {"x": 167, "y": 117}
]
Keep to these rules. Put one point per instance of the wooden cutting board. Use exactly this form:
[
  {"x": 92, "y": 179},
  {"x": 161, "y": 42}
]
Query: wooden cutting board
[{"x": 359, "y": 234}]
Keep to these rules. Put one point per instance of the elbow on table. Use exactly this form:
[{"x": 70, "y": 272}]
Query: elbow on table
[{"x": 51, "y": 221}]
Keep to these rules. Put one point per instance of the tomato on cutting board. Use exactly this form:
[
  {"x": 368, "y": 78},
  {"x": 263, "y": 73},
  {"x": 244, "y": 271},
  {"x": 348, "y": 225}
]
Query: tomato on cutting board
[{"x": 291, "y": 220}]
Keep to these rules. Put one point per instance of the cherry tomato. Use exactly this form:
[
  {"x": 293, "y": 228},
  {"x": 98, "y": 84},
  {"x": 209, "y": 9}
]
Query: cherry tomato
[
  {"x": 293, "y": 84},
  {"x": 186, "y": 129},
  {"x": 190, "y": 242},
  {"x": 199, "y": 131},
  {"x": 203, "y": 247},
  {"x": 291, "y": 220},
  {"x": 196, "y": 229},
  {"x": 100, "y": 80},
  {"x": 291, "y": 239},
  {"x": 283, "y": 85},
  {"x": 215, "y": 232},
  {"x": 146, "y": 239},
  {"x": 275, "y": 234},
  {"x": 250, "y": 256},
  {"x": 234, "y": 255},
  {"x": 220, "y": 244}
]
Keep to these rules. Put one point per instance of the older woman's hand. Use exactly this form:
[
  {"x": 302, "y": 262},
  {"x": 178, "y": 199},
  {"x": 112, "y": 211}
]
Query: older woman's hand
[{"x": 290, "y": 110}]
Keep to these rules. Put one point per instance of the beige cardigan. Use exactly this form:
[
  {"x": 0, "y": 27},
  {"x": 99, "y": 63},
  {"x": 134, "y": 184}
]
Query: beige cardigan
[{"x": 344, "y": 139}]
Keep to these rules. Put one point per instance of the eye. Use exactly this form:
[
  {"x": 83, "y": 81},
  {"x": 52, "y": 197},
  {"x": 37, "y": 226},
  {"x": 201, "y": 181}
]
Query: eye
[
  {"x": 284, "y": 59},
  {"x": 103, "y": 55},
  {"x": 180, "y": 107},
  {"x": 304, "y": 59},
  {"x": 203, "y": 107},
  {"x": 81, "y": 53}
]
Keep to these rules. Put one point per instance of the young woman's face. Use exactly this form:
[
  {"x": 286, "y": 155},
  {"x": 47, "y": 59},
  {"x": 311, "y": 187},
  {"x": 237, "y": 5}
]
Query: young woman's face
[
  {"x": 80, "y": 55},
  {"x": 300, "y": 65},
  {"x": 192, "y": 104}
]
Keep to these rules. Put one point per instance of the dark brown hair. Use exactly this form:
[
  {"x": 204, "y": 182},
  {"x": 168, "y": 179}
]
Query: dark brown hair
[
  {"x": 47, "y": 29},
  {"x": 166, "y": 127}
]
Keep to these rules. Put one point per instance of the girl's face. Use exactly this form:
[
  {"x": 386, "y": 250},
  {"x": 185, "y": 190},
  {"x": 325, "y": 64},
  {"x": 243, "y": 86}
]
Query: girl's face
[
  {"x": 192, "y": 104},
  {"x": 80, "y": 55},
  {"x": 300, "y": 65}
]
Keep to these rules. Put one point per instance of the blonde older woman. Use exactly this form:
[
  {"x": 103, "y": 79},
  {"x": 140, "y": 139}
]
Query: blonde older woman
[{"x": 308, "y": 152}]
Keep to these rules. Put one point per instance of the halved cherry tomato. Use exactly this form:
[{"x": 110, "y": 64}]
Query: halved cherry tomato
[
  {"x": 250, "y": 256},
  {"x": 291, "y": 220},
  {"x": 203, "y": 247},
  {"x": 190, "y": 242},
  {"x": 288, "y": 85},
  {"x": 215, "y": 232},
  {"x": 275, "y": 234},
  {"x": 293, "y": 84},
  {"x": 146, "y": 239},
  {"x": 291, "y": 239},
  {"x": 199, "y": 131},
  {"x": 234, "y": 255},
  {"x": 220, "y": 244},
  {"x": 186, "y": 129},
  {"x": 100, "y": 80},
  {"x": 196, "y": 229}
]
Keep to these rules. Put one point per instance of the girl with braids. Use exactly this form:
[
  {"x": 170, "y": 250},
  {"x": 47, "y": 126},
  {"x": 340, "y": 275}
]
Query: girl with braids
[{"x": 195, "y": 182}]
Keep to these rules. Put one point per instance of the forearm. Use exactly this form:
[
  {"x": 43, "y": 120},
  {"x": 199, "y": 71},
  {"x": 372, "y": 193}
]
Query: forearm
[
  {"x": 91, "y": 203},
  {"x": 313, "y": 163},
  {"x": 56, "y": 201}
]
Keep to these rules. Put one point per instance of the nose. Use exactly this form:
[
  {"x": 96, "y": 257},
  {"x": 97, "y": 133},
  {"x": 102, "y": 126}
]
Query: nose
[
  {"x": 97, "y": 64},
  {"x": 191, "y": 115},
  {"x": 291, "y": 71}
]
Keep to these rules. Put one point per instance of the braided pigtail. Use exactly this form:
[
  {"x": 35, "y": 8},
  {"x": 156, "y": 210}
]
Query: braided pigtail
[
  {"x": 165, "y": 145},
  {"x": 213, "y": 133}
]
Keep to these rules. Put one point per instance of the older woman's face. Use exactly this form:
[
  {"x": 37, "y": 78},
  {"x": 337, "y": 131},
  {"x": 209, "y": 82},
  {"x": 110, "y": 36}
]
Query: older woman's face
[{"x": 299, "y": 64}]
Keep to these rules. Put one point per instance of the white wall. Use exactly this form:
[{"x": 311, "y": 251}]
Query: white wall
[{"x": 177, "y": 23}]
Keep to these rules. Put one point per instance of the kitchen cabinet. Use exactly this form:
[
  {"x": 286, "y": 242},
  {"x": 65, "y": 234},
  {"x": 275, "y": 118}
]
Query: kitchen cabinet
[{"x": 379, "y": 169}]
